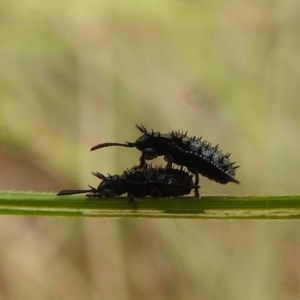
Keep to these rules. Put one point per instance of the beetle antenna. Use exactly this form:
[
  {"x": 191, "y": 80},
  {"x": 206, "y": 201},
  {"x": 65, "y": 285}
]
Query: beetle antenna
[
  {"x": 72, "y": 192},
  {"x": 128, "y": 144}
]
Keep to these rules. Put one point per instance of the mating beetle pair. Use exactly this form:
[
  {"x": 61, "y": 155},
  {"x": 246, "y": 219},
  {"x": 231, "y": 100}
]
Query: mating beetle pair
[{"x": 198, "y": 156}]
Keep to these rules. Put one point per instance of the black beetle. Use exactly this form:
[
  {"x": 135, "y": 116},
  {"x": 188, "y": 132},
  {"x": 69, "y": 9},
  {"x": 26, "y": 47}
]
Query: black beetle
[{"x": 137, "y": 182}]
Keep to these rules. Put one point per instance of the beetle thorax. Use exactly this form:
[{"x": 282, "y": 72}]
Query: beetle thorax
[{"x": 159, "y": 145}]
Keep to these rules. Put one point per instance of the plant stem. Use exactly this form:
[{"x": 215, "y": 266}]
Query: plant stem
[{"x": 211, "y": 207}]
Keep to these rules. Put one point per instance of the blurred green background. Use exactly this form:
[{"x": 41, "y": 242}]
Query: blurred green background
[{"x": 77, "y": 73}]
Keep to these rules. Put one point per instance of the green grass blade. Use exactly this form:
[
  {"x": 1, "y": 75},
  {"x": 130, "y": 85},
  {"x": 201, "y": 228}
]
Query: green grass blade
[{"x": 212, "y": 207}]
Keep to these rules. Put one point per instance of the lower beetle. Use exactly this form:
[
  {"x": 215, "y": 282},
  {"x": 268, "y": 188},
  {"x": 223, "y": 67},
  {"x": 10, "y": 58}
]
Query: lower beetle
[{"x": 137, "y": 182}]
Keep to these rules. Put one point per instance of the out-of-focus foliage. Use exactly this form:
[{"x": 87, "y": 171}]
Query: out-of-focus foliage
[{"x": 77, "y": 73}]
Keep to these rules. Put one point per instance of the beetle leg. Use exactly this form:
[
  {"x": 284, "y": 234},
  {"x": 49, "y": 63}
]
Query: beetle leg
[
  {"x": 196, "y": 190},
  {"x": 143, "y": 163},
  {"x": 131, "y": 200},
  {"x": 169, "y": 160}
]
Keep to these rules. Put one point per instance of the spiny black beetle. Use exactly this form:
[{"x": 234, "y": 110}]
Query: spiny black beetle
[
  {"x": 137, "y": 182},
  {"x": 197, "y": 155}
]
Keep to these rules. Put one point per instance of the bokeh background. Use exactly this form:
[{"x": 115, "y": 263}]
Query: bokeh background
[{"x": 77, "y": 73}]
